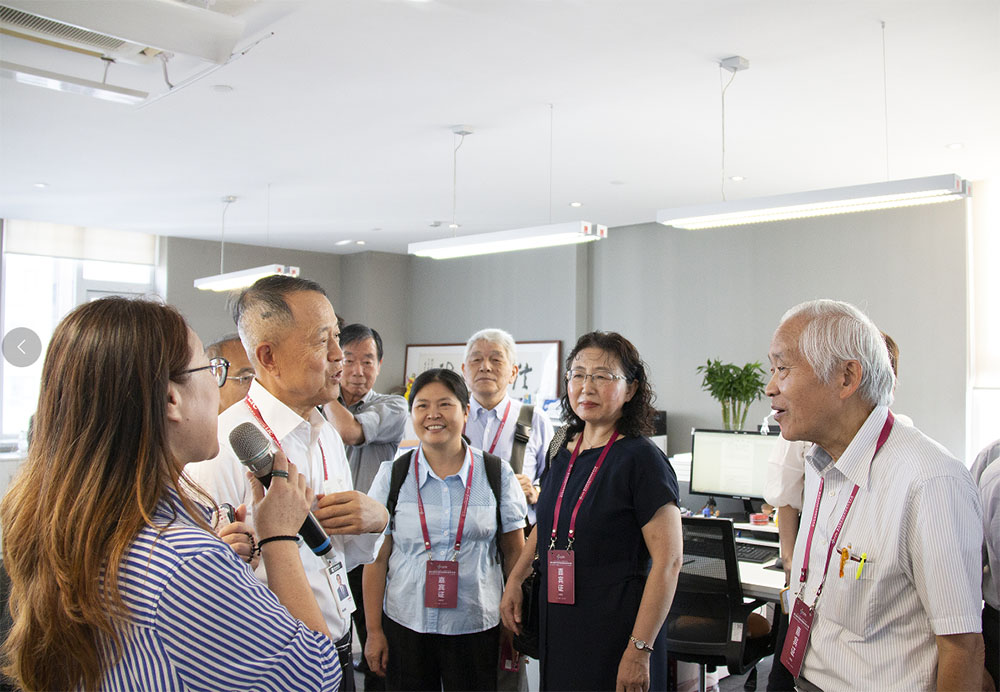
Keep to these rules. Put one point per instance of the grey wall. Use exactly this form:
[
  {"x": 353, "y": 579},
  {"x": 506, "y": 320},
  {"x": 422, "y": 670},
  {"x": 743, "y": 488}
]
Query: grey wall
[
  {"x": 686, "y": 296},
  {"x": 187, "y": 260},
  {"x": 539, "y": 295},
  {"x": 374, "y": 290},
  {"x": 681, "y": 296}
]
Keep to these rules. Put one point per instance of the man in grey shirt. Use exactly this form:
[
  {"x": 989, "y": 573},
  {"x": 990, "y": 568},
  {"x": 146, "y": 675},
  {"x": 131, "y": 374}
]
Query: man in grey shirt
[{"x": 371, "y": 425}]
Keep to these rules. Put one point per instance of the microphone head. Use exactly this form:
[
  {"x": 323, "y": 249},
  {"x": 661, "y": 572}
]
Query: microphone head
[{"x": 252, "y": 449}]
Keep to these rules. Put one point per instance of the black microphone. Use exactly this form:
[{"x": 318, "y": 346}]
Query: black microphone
[{"x": 254, "y": 452}]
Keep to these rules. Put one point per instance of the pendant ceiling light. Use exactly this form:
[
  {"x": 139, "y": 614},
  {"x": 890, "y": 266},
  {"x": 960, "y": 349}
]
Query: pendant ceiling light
[
  {"x": 228, "y": 281},
  {"x": 549, "y": 235}
]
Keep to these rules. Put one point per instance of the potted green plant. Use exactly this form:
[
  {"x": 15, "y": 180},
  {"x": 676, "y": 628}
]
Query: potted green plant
[{"x": 734, "y": 387}]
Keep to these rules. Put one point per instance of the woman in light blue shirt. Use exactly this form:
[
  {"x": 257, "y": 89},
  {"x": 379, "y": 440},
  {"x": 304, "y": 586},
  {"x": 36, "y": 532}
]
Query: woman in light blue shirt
[{"x": 438, "y": 574}]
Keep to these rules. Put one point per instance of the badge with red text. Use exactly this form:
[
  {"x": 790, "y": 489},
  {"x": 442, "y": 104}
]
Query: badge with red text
[
  {"x": 560, "y": 576},
  {"x": 441, "y": 586},
  {"x": 799, "y": 624}
]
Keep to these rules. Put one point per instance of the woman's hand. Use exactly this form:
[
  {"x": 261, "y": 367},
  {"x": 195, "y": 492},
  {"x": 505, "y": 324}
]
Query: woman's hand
[
  {"x": 633, "y": 671},
  {"x": 377, "y": 652},
  {"x": 281, "y": 511},
  {"x": 510, "y": 605},
  {"x": 240, "y": 536}
]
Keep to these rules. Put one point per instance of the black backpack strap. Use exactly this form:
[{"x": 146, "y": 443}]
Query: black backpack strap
[
  {"x": 558, "y": 440},
  {"x": 492, "y": 463},
  {"x": 522, "y": 433},
  {"x": 400, "y": 467}
]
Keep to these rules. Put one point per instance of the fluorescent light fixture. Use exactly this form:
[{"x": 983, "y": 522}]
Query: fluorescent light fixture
[
  {"x": 508, "y": 241},
  {"x": 243, "y": 278},
  {"x": 802, "y": 205},
  {"x": 73, "y": 85}
]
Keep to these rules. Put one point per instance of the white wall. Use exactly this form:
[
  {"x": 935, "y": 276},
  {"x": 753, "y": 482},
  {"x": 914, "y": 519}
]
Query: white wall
[{"x": 685, "y": 296}]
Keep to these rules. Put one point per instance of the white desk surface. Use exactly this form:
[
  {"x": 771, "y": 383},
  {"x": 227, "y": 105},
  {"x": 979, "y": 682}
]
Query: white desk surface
[
  {"x": 759, "y": 582},
  {"x": 762, "y": 528}
]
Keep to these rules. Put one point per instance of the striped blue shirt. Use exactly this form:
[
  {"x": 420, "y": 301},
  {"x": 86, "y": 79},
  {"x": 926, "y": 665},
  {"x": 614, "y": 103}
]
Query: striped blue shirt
[{"x": 200, "y": 620}]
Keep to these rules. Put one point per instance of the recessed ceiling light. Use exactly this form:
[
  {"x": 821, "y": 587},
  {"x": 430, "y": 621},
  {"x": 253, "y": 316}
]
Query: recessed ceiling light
[
  {"x": 737, "y": 178},
  {"x": 221, "y": 88},
  {"x": 41, "y": 185},
  {"x": 360, "y": 242},
  {"x": 376, "y": 229},
  {"x": 955, "y": 145},
  {"x": 343, "y": 242},
  {"x": 617, "y": 182},
  {"x": 576, "y": 204},
  {"x": 453, "y": 225}
]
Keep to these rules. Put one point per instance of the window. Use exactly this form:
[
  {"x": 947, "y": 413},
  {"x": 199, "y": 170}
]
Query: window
[{"x": 38, "y": 291}]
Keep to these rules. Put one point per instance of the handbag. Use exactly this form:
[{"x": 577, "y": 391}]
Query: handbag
[{"x": 527, "y": 641}]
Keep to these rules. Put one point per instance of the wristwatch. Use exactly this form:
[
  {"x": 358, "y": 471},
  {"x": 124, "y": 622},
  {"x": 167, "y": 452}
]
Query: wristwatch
[{"x": 640, "y": 645}]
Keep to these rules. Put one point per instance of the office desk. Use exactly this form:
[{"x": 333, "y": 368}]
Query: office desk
[{"x": 759, "y": 582}]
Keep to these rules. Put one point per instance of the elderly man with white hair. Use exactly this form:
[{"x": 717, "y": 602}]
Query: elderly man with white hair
[{"x": 886, "y": 571}]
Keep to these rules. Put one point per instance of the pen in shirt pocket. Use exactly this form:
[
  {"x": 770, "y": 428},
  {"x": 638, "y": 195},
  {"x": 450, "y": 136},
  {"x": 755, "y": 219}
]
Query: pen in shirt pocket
[{"x": 847, "y": 554}]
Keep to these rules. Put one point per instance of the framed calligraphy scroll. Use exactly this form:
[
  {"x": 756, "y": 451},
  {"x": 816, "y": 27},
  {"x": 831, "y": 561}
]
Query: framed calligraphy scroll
[{"x": 539, "y": 366}]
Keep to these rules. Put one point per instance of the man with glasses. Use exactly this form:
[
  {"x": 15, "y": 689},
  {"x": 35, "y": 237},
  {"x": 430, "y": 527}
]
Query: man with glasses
[
  {"x": 240, "y": 375},
  {"x": 290, "y": 332}
]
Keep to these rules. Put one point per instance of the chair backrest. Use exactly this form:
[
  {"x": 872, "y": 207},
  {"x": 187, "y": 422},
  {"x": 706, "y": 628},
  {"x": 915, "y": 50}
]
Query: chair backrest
[
  {"x": 707, "y": 620},
  {"x": 710, "y": 564}
]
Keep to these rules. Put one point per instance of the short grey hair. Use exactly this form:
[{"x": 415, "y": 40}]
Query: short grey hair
[
  {"x": 493, "y": 336},
  {"x": 214, "y": 349},
  {"x": 261, "y": 312},
  {"x": 835, "y": 332}
]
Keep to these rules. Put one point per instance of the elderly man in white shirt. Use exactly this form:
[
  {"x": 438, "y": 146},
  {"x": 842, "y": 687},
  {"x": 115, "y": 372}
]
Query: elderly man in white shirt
[
  {"x": 290, "y": 333},
  {"x": 887, "y": 562}
]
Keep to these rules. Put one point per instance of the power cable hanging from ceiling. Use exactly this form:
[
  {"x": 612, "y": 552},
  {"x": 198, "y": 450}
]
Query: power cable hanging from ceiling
[
  {"x": 885, "y": 103},
  {"x": 551, "y": 130},
  {"x": 227, "y": 200},
  {"x": 734, "y": 64},
  {"x": 460, "y": 131}
]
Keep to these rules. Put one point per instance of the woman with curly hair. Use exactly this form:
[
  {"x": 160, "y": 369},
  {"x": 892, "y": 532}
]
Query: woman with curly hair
[{"x": 608, "y": 538}]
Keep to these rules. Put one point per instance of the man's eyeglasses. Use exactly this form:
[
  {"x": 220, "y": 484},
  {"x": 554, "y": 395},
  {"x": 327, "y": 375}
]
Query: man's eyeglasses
[
  {"x": 242, "y": 379},
  {"x": 219, "y": 368},
  {"x": 600, "y": 379}
]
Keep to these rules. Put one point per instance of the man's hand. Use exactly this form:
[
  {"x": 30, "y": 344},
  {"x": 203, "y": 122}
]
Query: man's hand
[
  {"x": 530, "y": 491},
  {"x": 350, "y": 512}
]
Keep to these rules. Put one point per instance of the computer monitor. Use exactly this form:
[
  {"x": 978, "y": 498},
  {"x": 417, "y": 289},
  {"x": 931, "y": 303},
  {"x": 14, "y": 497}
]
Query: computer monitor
[{"x": 730, "y": 463}]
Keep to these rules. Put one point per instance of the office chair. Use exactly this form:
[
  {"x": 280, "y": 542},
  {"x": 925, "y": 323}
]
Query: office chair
[{"x": 708, "y": 621}]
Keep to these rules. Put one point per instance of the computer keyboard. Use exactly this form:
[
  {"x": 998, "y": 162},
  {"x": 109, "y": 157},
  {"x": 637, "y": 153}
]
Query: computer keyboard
[{"x": 749, "y": 552}]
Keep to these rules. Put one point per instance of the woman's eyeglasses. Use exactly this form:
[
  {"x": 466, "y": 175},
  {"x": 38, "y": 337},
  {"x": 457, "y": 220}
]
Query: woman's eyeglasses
[
  {"x": 219, "y": 368},
  {"x": 600, "y": 379}
]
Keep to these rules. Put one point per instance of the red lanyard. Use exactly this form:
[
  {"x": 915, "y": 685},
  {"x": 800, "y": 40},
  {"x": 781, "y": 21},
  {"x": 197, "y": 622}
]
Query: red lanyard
[
  {"x": 496, "y": 437},
  {"x": 883, "y": 436},
  {"x": 260, "y": 419},
  {"x": 465, "y": 503},
  {"x": 583, "y": 493}
]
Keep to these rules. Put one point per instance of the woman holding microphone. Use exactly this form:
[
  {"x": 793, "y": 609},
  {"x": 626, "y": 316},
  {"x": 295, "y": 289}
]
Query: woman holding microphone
[
  {"x": 117, "y": 580},
  {"x": 438, "y": 573}
]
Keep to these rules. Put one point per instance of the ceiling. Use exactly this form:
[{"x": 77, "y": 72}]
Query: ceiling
[{"x": 338, "y": 122}]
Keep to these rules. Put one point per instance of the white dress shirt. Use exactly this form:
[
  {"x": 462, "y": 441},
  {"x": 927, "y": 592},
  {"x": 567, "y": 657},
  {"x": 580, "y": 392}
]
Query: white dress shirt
[
  {"x": 917, "y": 516},
  {"x": 987, "y": 474},
  {"x": 482, "y": 428},
  {"x": 225, "y": 480}
]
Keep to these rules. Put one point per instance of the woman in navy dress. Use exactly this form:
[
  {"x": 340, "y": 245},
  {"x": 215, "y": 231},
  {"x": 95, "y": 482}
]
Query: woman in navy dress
[{"x": 602, "y": 631}]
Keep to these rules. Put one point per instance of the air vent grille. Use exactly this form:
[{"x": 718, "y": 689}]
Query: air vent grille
[{"x": 10, "y": 17}]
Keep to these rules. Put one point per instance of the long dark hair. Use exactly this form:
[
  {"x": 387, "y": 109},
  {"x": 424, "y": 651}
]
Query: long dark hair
[
  {"x": 637, "y": 413},
  {"x": 98, "y": 465}
]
